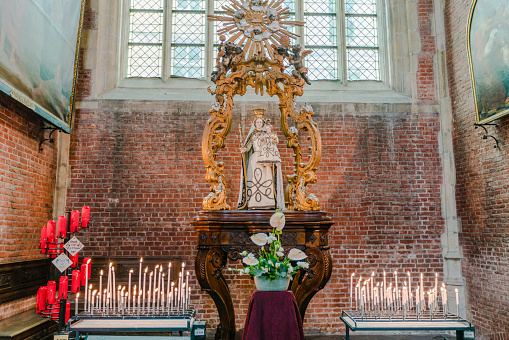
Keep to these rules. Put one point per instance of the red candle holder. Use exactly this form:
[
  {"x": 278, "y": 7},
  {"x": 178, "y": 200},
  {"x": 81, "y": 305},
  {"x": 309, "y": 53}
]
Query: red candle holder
[
  {"x": 75, "y": 221},
  {"x": 63, "y": 286},
  {"x": 85, "y": 216},
  {"x": 44, "y": 239},
  {"x": 75, "y": 281},
  {"x": 62, "y": 227}
]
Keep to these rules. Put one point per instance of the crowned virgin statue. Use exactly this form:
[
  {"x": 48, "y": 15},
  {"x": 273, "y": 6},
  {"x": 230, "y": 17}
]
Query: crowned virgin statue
[{"x": 261, "y": 179}]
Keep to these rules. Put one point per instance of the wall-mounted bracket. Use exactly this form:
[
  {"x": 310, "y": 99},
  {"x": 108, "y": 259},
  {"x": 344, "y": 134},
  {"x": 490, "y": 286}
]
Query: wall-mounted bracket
[
  {"x": 486, "y": 135},
  {"x": 49, "y": 139}
]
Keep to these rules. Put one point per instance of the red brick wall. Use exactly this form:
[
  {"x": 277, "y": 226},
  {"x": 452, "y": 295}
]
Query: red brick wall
[
  {"x": 380, "y": 176},
  {"x": 27, "y": 183},
  {"x": 141, "y": 171},
  {"x": 481, "y": 193}
]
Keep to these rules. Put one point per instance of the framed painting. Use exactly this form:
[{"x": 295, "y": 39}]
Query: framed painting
[
  {"x": 39, "y": 48},
  {"x": 488, "y": 52}
]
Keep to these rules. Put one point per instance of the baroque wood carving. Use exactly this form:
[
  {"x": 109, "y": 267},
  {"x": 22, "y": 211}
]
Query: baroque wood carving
[{"x": 255, "y": 56}]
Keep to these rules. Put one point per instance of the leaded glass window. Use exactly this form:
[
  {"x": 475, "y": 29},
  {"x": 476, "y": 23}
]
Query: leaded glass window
[{"x": 169, "y": 37}]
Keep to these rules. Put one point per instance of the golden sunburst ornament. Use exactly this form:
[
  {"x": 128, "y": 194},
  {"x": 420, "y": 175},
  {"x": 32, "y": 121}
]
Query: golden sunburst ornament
[{"x": 256, "y": 24}]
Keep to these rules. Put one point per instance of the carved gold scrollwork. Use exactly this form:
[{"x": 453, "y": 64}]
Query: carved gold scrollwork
[{"x": 235, "y": 72}]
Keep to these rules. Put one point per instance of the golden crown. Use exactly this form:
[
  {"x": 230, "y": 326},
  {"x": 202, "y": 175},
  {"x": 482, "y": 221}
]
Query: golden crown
[{"x": 259, "y": 113}]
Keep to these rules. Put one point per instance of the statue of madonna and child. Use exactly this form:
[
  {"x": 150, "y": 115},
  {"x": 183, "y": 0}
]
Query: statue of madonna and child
[{"x": 261, "y": 179}]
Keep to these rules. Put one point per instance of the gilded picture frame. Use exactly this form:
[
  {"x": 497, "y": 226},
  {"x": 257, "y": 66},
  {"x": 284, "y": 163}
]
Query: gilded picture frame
[
  {"x": 488, "y": 53},
  {"x": 39, "y": 50}
]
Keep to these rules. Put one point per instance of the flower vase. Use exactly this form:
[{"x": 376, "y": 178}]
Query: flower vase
[{"x": 277, "y": 285}]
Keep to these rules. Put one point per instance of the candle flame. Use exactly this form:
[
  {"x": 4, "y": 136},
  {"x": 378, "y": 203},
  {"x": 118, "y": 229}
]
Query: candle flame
[
  {"x": 90, "y": 287},
  {"x": 173, "y": 284},
  {"x": 169, "y": 264},
  {"x": 101, "y": 272},
  {"x": 373, "y": 273},
  {"x": 119, "y": 287},
  {"x": 183, "y": 264},
  {"x": 146, "y": 270},
  {"x": 395, "y": 272},
  {"x": 141, "y": 292},
  {"x": 456, "y": 290},
  {"x": 77, "y": 295},
  {"x": 111, "y": 264},
  {"x": 157, "y": 267},
  {"x": 141, "y": 259},
  {"x": 353, "y": 274},
  {"x": 161, "y": 268},
  {"x": 384, "y": 272},
  {"x": 94, "y": 292},
  {"x": 187, "y": 273},
  {"x": 105, "y": 291},
  {"x": 134, "y": 287},
  {"x": 131, "y": 271},
  {"x": 151, "y": 273},
  {"x": 408, "y": 273}
]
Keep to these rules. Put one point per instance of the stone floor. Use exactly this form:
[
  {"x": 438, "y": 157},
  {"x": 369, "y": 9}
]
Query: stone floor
[{"x": 435, "y": 336}]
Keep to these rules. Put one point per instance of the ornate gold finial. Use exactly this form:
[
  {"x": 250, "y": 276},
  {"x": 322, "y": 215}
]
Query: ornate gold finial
[{"x": 259, "y": 113}]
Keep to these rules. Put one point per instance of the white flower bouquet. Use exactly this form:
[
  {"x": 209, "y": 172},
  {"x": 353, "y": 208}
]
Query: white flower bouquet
[{"x": 272, "y": 263}]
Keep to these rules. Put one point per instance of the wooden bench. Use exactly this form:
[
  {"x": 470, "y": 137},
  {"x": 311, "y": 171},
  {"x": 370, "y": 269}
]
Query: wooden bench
[
  {"x": 461, "y": 326},
  {"x": 27, "y": 325}
]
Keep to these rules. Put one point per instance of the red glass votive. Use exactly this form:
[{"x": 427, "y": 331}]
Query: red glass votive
[
  {"x": 44, "y": 239},
  {"x": 85, "y": 216},
  {"x": 75, "y": 281},
  {"x": 63, "y": 286},
  {"x": 75, "y": 221},
  {"x": 62, "y": 227},
  {"x": 50, "y": 295},
  {"x": 74, "y": 258},
  {"x": 83, "y": 273},
  {"x": 41, "y": 299},
  {"x": 67, "y": 311},
  {"x": 51, "y": 226}
]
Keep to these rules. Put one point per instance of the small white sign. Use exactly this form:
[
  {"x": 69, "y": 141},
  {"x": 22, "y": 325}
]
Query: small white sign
[
  {"x": 73, "y": 246},
  {"x": 199, "y": 331},
  {"x": 469, "y": 335},
  {"x": 62, "y": 262}
]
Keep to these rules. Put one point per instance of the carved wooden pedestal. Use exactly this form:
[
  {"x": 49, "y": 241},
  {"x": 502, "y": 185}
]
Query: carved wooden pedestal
[{"x": 222, "y": 235}]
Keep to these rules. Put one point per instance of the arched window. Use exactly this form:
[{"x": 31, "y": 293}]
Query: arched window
[{"x": 173, "y": 39}]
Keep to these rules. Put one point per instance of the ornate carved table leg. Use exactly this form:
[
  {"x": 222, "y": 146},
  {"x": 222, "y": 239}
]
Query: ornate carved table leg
[
  {"x": 209, "y": 264},
  {"x": 307, "y": 283}
]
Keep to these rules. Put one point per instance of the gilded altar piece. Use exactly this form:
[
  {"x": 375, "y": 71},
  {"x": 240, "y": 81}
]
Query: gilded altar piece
[{"x": 255, "y": 55}]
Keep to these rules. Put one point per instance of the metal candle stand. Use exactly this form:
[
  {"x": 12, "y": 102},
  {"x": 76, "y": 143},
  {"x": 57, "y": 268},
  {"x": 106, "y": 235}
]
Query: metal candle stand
[{"x": 57, "y": 311}]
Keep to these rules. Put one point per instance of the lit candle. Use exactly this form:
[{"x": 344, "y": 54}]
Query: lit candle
[
  {"x": 139, "y": 274},
  {"x": 92, "y": 299},
  {"x": 149, "y": 289},
  {"x": 156, "y": 279},
  {"x": 421, "y": 290},
  {"x": 129, "y": 290},
  {"x": 134, "y": 298},
  {"x": 144, "y": 282},
  {"x": 89, "y": 298},
  {"x": 122, "y": 296},
  {"x": 100, "y": 288},
  {"x": 105, "y": 292},
  {"x": 372, "y": 296},
  {"x": 397, "y": 289},
  {"x": 108, "y": 285},
  {"x": 436, "y": 282},
  {"x": 76, "y": 308},
  {"x": 172, "y": 296},
  {"x": 351, "y": 290},
  {"x": 139, "y": 296},
  {"x": 385, "y": 289},
  {"x": 187, "y": 285},
  {"x": 159, "y": 286},
  {"x": 162, "y": 294},
  {"x": 457, "y": 303},
  {"x": 188, "y": 296},
  {"x": 169, "y": 279}
]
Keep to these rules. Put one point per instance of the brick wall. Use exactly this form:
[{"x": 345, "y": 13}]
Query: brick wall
[
  {"x": 27, "y": 182},
  {"x": 481, "y": 193},
  {"x": 143, "y": 176},
  {"x": 139, "y": 166}
]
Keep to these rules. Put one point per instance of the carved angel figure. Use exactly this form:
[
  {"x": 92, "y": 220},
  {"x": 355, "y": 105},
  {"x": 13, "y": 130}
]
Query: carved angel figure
[{"x": 296, "y": 60}]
